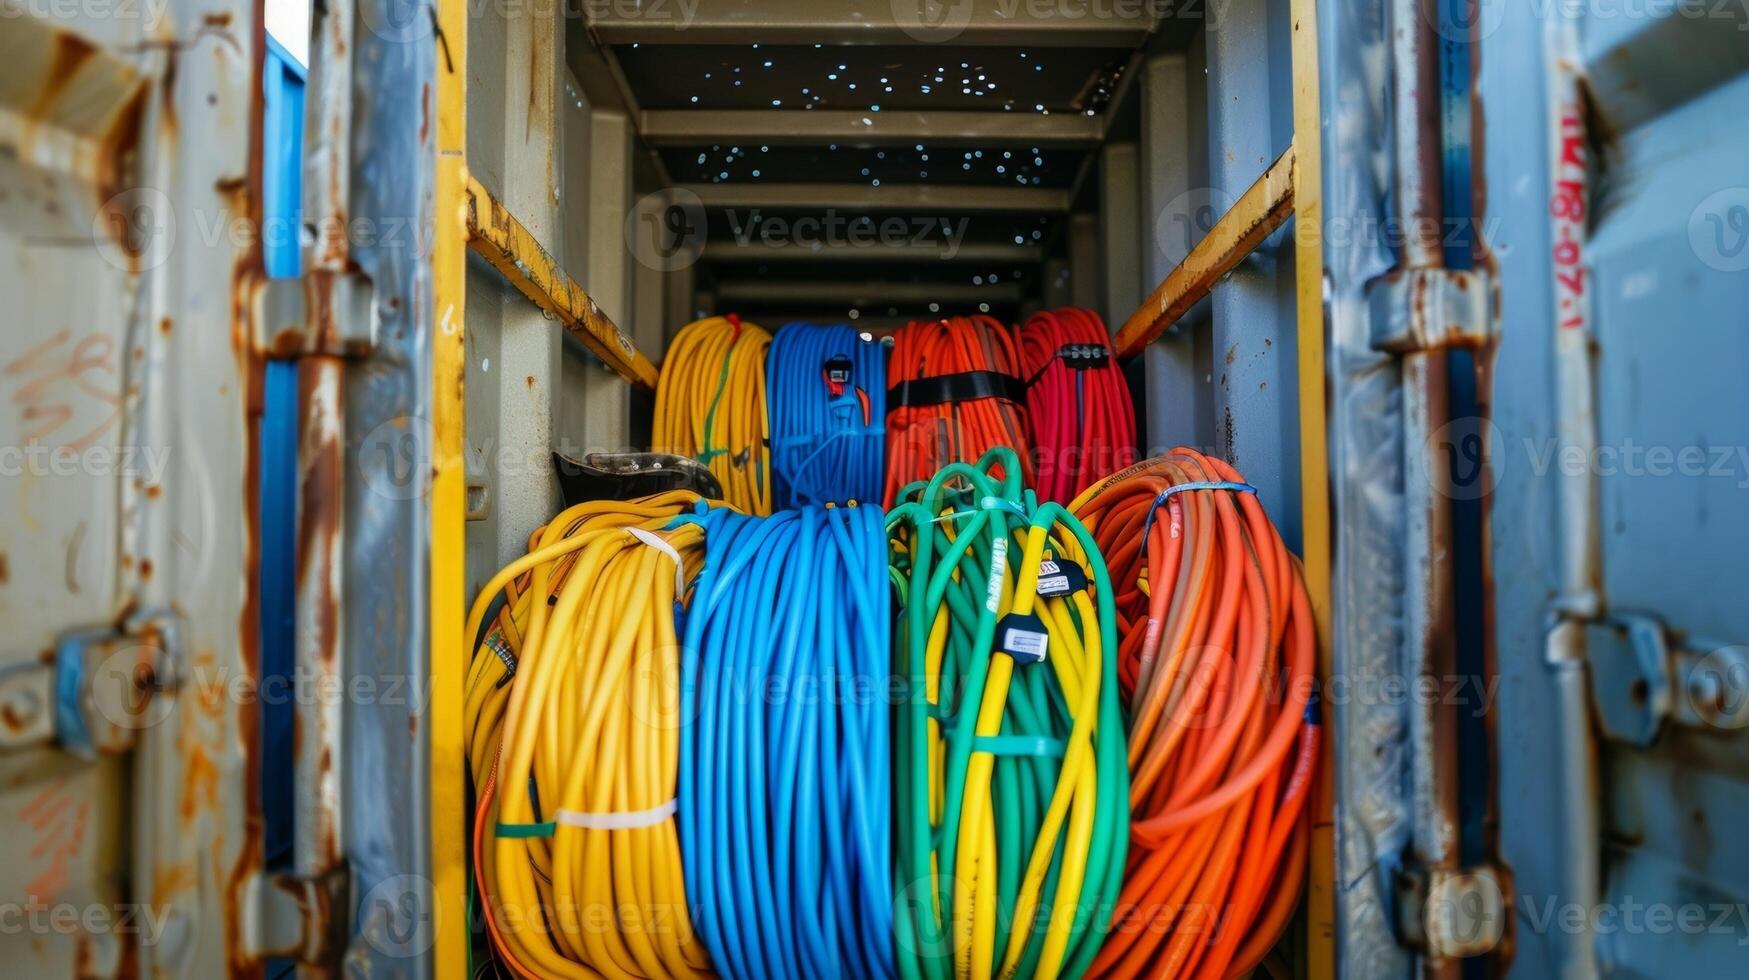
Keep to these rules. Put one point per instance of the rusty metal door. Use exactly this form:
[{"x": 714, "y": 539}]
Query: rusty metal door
[
  {"x": 129, "y": 201},
  {"x": 1618, "y": 196}
]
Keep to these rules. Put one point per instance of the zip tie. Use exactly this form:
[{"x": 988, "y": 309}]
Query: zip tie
[
  {"x": 624, "y": 820},
  {"x": 655, "y": 541},
  {"x": 997, "y": 503},
  {"x": 1160, "y": 500},
  {"x": 1012, "y": 745}
]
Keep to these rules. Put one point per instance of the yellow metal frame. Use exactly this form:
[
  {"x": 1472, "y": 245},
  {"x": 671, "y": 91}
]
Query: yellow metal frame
[
  {"x": 448, "y": 504},
  {"x": 468, "y": 217}
]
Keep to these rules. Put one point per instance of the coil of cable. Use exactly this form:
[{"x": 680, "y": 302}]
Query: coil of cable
[
  {"x": 785, "y": 805},
  {"x": 711, "y": 405},
  {"x": 953, "y": 394},
  {"x": 1011, "y": 797},
  {"x": 573, "y": 749},
  {"x": 1080, "y": 417},
  {"x": 1217, "y": 665},
  {"x": 827, "y": 385}
]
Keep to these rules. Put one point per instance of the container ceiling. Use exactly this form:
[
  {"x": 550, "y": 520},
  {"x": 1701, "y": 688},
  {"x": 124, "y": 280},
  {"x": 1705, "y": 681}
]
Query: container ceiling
[{"x": 985, "y": 122}]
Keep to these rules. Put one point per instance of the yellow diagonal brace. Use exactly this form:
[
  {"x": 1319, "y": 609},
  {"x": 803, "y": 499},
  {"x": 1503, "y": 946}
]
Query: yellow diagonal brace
[
  {"x": 1262, "y": 209},
  {"x": 496, "y": 236}
]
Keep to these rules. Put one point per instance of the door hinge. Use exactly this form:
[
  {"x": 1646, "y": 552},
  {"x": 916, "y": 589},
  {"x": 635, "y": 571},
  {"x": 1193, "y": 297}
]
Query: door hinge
[
  {"x": 1644, "y": 676},
  {"x": 1451, "y": 914},
  {"x": 98, "y": 690},
  {"x": 1428, "y": 309},
  {"x": 319, "y": 312},
  {"x": 303, "y": 918}
]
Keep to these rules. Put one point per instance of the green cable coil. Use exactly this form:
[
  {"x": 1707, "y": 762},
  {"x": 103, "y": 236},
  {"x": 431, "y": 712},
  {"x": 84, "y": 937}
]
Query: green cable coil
[{"x": 1011, "y": 812}]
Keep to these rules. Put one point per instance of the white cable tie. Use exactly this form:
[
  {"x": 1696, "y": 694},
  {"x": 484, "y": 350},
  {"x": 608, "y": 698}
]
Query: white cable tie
[
  {"x": 628, "y": 820},
  {"x": 656, "y": 541}
]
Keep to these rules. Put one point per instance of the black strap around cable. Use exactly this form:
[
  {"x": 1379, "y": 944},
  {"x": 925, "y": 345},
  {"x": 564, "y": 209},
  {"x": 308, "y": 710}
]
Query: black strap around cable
[
  {"x": 965, "y": 386},
  {"x": 1079, "y": 357}
]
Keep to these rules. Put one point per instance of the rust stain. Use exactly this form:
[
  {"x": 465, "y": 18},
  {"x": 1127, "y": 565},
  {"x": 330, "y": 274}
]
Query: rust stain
[
  {"x": 247, "y": 272},
  {"x": 70, "y": 54},
  {"x": 424, "y": 111},
  {"x": 531, "y": 381},
  {"x": 117, "y": 161},
  {"x": 5, "y": 569},
  {"x": 145, "y": 568},
  {"x": 164, "y": 326}
]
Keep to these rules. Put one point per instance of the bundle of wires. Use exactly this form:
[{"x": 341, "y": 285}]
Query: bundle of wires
[
  {"x": 954, "y": 394},
  {"x": 1078, "y": 409},
  {"x": 710, "y": 405},
  {"x": 574, "y": 746},
  {"x": 828, "y": 391},
  {"x": 1010, "y": 800},
  {"x": 784, "y": 773},
  {"x": 1217, "y": 664}
]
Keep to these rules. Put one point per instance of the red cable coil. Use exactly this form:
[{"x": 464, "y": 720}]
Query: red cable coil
[
  {"x": 923, "y": 438},
  {"x": 1081, "y": 419}
]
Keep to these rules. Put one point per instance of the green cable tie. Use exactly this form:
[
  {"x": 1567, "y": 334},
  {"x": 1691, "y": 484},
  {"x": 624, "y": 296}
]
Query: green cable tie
[
  {"x": 1033, "y": 745},
  {"x": 524, "y": 830}
]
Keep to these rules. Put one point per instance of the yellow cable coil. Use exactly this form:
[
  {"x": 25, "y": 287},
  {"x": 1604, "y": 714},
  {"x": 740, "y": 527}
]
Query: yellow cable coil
[
  {"x": 710, "y": 405},
  {"x": 573, "y": 737}
]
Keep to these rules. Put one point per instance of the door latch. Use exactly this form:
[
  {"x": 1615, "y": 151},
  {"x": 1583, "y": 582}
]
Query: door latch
[{"x": 101, "y": 687}]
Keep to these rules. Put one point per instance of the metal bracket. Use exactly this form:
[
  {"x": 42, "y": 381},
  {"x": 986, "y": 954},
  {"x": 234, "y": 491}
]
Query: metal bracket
[
  {"x": 1451, "y": 914},
  {"x": 307, "y": 919},
  {"x": 624, "y": 476},
  {"x": 1428, "y": 309},
  {"x": 320, "y": 312},
  {"x": 97, "y": 692},
  {"x": 1643, "y": 676}
]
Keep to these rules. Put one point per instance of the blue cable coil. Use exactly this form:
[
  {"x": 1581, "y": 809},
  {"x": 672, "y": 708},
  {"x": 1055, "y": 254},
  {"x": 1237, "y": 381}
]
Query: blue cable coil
[
  {"x": 826, "y": 388},
  {"x": 784, "y": 789}
]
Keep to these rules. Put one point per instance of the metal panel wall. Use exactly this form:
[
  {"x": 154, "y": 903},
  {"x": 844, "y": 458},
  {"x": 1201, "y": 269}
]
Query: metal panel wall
[
  {"x": 1618, "y": 211},
  {"x": 129, "y": 483}
]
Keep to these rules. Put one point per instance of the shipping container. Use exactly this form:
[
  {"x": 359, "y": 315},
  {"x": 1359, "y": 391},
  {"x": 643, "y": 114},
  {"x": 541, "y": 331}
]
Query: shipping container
[{"x": 292, "y": 358}]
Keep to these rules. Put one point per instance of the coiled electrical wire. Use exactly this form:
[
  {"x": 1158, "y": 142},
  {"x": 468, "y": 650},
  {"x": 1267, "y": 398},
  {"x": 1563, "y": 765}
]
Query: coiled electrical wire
[
  {"x": 1217, "y": 663},
  {"x": 959, "y": 397},
  {"x": 1011, "y": 802},
  {"x": 574, "y": 750},
  {"x": 1080, "y": 417},
  {"x": 827, "y": 386},
  {"x": 784, "y": 767},
  {"x": 710, "y": 405}
]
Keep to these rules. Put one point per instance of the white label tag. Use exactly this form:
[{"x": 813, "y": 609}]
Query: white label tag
[
  {"x": 1026, "y": 643},
  {"x": 1054, "y": 584}
]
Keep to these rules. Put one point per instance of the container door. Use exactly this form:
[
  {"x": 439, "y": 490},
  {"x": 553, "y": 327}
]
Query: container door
[
  {"x": 1617, "y": 213},
  {"x": 129, "y": 199}
]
